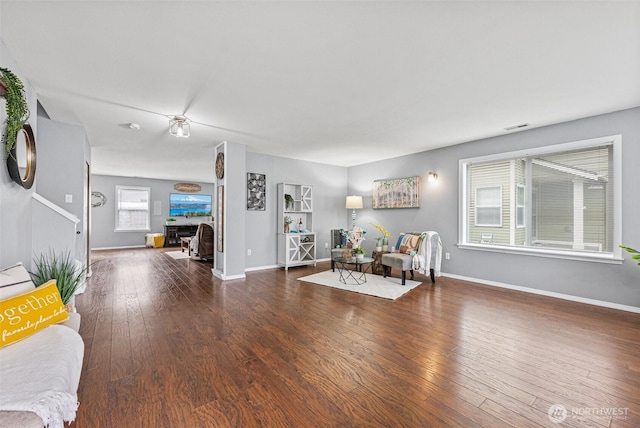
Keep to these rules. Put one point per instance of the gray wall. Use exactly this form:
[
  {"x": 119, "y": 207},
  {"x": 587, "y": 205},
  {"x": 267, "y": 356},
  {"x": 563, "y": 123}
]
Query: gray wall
[
  {"x": 15, "y": 201},
  {"x": 329, "y": 187},
  {"x": 439, "y": 211},
  {"x": 103, "y": 218},
  {"x": 329, "y": 192},
  {"x": 61, "y": 146}
]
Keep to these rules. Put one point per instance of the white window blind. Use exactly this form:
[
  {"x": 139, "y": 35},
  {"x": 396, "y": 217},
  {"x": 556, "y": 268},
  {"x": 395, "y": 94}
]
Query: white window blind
[
  {"x": 132, "y": 208},
  {"x": 489, "y": 206}
]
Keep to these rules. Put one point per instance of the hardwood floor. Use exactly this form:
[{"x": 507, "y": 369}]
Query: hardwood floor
[{"x": 169, "y": 345}]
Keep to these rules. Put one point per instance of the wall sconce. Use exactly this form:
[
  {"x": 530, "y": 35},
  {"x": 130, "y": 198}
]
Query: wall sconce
[
  {"x": 353, "y": 203},
  {"x": 432, "y": 177},
  {"x": 179, "y": 126}
]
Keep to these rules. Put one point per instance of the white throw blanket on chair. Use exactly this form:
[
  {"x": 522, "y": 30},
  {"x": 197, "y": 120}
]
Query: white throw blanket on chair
[{"x": 422, "y": 259}]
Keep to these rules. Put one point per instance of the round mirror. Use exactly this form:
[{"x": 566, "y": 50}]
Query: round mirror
[{"x": 22, "y": 158}]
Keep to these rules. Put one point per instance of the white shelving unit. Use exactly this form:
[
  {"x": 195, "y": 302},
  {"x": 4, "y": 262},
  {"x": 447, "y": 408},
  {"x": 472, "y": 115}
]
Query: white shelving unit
[{"x": 298, "y": 246}]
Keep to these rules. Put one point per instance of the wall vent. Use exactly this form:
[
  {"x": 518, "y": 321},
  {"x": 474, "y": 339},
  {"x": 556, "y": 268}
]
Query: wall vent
[{"x": 511, "y": 128}]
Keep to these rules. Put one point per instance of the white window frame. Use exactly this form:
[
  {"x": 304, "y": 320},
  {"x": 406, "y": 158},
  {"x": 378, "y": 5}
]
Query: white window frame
[
  {"x": 118, "y": 228},
  {"x": 499, "y": 206},
  {"x": 521, "y": 207},
  {"x": 613, "y": 257}
]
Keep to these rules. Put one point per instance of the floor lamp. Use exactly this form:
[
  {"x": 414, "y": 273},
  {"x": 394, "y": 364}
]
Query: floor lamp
[{"x": 354, "y": 203}]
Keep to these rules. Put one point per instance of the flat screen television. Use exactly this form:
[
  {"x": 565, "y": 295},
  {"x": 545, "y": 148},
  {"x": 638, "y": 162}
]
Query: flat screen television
[{"x": 189, "y": 205}]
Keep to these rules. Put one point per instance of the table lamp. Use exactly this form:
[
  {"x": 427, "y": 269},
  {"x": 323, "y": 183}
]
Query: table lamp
[{"x": 354, "y": 203}]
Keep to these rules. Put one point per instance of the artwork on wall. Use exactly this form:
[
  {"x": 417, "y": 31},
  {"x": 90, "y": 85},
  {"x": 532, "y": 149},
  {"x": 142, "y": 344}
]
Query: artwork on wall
[
  {"x": 189, "y": 205},
  {"x": 220, "y": 219},
  {"x": 187, "y": 187},
  {"x": 396, "y": 193},
  {"x": 256, "y": 191}
]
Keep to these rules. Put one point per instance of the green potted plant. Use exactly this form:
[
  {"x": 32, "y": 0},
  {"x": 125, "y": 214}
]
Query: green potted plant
[
  {"x": 288, "y": 201},
  {"x": 635, "y": 254},
  {"x": 16, "y": 107},
  {"x": 359, "y": 252},
  {"x": 63, "y": 269}
]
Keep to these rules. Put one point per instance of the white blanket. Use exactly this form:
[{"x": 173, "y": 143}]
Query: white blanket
[
  {"x": 422, "y": 259},
  {"x": 195, "y": 240},
  {"x": 41, "y": 374}
]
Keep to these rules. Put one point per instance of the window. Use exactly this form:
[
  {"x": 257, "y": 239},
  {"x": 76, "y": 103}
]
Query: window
[
  {"x": 561, "y": 200},
  {"x": 488, "y": 206},
  {"x": 519, "y": 205},
  {"x": 132, "y": 208}
]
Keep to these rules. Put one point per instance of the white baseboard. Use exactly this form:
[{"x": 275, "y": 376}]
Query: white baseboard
[
  {"x": 276, "y": 266},
  {"x": 261, "y": 268},
  {"x": 594, "y": 302},
  {"x": 118, "y": 248},
  {"x": 220, "y": 275}
]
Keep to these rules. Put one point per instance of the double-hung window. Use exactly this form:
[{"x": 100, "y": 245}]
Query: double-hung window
[
  {"x": 561, "y": 200},
  {"x": 489, "y": 206},
  {"x": 132, "y": 208}
]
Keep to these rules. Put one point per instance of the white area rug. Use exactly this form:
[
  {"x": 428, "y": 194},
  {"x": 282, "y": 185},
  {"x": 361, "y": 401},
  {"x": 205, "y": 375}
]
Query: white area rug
[
  {"x": 177, "y": 254},
  {"x": 376, "y": 285}
]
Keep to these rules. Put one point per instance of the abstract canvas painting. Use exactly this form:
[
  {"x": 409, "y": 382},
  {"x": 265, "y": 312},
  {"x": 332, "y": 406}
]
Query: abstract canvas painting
[
  {"x": 256, "y": 191},
  {"x": 396, "y": 193}
]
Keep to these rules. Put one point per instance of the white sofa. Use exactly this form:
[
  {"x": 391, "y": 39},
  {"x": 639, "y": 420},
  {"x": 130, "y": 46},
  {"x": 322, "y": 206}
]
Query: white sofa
[{"x": 39, "y": 375}]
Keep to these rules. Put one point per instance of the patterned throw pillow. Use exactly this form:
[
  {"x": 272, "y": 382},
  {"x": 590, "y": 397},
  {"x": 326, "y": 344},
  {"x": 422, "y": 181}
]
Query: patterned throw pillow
[{"x": 409, "y": 243}]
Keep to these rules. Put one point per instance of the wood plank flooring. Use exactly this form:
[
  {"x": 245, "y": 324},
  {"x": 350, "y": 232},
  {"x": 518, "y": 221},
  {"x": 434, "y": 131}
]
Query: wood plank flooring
[{"x": 169, "y": 345}]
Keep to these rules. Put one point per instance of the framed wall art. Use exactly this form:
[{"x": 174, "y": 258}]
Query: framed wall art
[
  {"x": 256, "y": 191},
  {"x": 220, "y": 219},
  {"x": 396, "y": 193}
]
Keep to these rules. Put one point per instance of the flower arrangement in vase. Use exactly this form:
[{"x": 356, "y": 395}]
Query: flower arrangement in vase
[
  {"x": 354, "y": 236},
  {"x": 383, "y": 242},
  {"x": 379, "y": 244},
  {"x": 287, "y": 221}
]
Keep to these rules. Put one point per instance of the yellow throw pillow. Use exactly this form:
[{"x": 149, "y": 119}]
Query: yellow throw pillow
[{"x": 23, "y": 315}]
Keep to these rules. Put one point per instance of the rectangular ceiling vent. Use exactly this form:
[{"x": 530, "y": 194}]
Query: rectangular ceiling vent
[{"x": 511, "y": 128}]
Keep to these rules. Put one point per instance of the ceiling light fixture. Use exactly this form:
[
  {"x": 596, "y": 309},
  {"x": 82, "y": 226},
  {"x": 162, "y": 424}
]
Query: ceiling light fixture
[
  {"x": 179, "y": 126},
  {"x": 134, "y": 126}
]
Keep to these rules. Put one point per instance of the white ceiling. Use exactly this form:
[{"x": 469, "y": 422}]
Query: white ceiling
[{"x": 339, "y": 82}]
